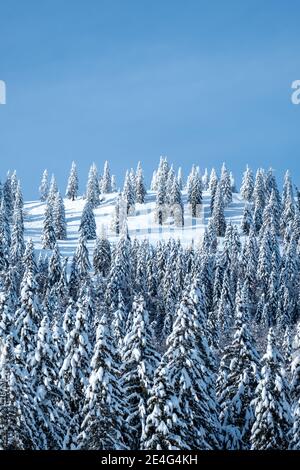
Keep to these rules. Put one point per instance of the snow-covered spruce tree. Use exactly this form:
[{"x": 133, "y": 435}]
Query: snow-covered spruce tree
[
  {"x": 115, "y": 223},
  {"x": 13, "y": 186},
  {"x": 19, "y": 201},
  {"x": 17, "y": 238},
  {"x": 72, "y": 185},
  {"x": 44, "y": 186},
  {"x": 17, "y": 410},
  {"x": 87, "y": 226},
  {"x": 120, "y": 276},
  {"x": 180, "y": 178},
  {"x": 75, "y": 372},
  {"x": 218, "y": 217},
  {"x": 5, "y": 229},
  {"x": 53, "y": 188},
  {"x": 239, "y": 384},
  {"x": 295, "y": 391},
  {"x": 102, "y": 255},
  {"x": 288, "y": 212},
  {"x": 128, "y": 193},
  {"x": 153, "y": 181},
  {"x": 48, "y": 235},
  {"x": 139, "y": 361},
  {"x": 247, "y": 219},
  {"x": 54, "y": 268},
  {"x": 59, "y": 217},
  {"x": 271, "y": 185},
  {"x": 140, "y": 190},
  {"x": 113, "y": 183},
  {"x": 28, "y": 316},
  {"x": 106, "y": 179},
  {"x": 119, "y": 318},
  {"x": 160, "y": 208},
  {"x": 29, "y": 260},
  {"x": 103, "y": 411},
  {"x": 195, "y": 193},
  {"x": 52, "y": 418},
  {"x": 205, "y": 180},
  {"x": 189, "y": 363},
  {"x": 8, "y": 198},
  {"x": 272, "y": 423},
  {"x": 225, "y": 184},
  {"x": 92, "y": 188},
  {"x": 271, "y": 215},
  {"x": 82, "y": 261},
  {"x": 247, "y": 186},
  {"x": 176, "y": 205},
  {"x": 166, "y": 427},
  {"x": 264, "y": 266},
  {"x": 259, "y": 198}
]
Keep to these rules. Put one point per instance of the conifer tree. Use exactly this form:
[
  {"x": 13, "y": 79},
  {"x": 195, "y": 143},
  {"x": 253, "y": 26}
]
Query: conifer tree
[
  {"x": 59, "y": 218},
  {"x": 87, "y": 227},
  {"x": 247, "y": 220},
  {"x": 140, "y": 190},
  {"x": 225, "y": 184},
  {"x": 218, "y": 218},
  {"x": 272, "y": 408},
  {"x": 48, "y": 235},
  {"x": 102, "y": 255},
  {"x": 247, "y": 186},
  {"x": 72, "y": 185},
  {"x": 106, "y": 179},
  {"x": 103, "y": 424},
  {"x": 139, "y": 361},
  {"x": 92, "y": 188},
  {"x": 44, "y": 186}
]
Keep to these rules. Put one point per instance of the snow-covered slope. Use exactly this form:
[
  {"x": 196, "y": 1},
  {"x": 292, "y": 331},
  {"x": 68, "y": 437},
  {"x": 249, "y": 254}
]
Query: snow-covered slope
[{"x": 141, "y": 224}]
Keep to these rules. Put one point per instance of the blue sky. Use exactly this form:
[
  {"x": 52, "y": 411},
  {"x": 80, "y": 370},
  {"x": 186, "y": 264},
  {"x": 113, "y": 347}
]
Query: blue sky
[{"x": 127, "y": 80}]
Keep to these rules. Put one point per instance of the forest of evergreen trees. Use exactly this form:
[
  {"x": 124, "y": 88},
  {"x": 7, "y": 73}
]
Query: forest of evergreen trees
[{"x": 152, "y": 346}]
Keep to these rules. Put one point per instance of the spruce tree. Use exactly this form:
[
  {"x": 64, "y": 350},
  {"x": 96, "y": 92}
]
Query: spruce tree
[
  {"x": 72, "y": 186},
  {"x": 44, "y": 186},
  {"x": 48, "y": 235},
  {"x": 140, "y": 190},
  {"x": 87, "y": 227},
  {"x": 271, "y": 405},
  {"x": 59, "y": 218},
  {"x": 103, "y": 410},
  {"x": 247, "y": 186},
  {"x": 106, "y": 180}
]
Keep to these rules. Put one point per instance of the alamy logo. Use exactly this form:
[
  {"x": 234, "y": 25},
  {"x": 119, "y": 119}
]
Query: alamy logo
[
  {"x": 295, "y": 97},
  {"x": 2, "y": 92}
]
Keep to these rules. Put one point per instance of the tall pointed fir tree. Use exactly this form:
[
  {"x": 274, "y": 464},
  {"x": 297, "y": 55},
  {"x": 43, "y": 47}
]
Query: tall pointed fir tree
[
  {"x": 128, "y": 193},
  {"x": 237, "y": 393},
  {"x": 272, "y": 423},
  {"x": 218, "y": 217},
  {"x": 92, "y": 188},
  {"x": 59, "y": 217},
  {"x": 87, "y": 226},
  {"x": 44, "y": 186},
  {"x": 106, "y": 179},
  {"x": 247, "y": 186},
  {"x": 52, "y": 417},
  {"x": 140, "y": 190},
  {"x": 120, "y": 276},
  {"x": 176, "y": 205},
  {"x": 190, "y": 366},
  {"x": 75, "y": 371},
  {"x": 139, "y": 361},
  {"x": 226, "y": 185},
  {"x": 295, "y": 391},
  {"x": 195, "y": 193},
  {"x": 81, "y": 257},
  {"x": 72, "y": 185},
  {"x": 18, "y": 429},
  {"x": 48, "y": 235},
  {"x": 103, "y": 411},
  {"x": 247, "y": 219},
  {"x": 102, "y": 255},
  {"x": 52, "y": 190}
]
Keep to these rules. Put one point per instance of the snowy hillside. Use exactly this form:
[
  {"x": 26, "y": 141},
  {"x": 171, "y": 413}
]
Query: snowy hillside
[{"x": 141, "y": 224}]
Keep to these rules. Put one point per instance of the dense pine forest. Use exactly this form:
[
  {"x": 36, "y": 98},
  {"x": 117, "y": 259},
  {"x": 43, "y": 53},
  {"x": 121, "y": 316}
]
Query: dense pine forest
[{"x": 140, "y": 343}]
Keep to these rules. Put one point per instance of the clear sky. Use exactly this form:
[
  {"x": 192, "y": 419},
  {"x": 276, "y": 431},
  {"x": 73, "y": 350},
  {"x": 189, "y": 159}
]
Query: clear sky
[{"x": 128, "y": 80}]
